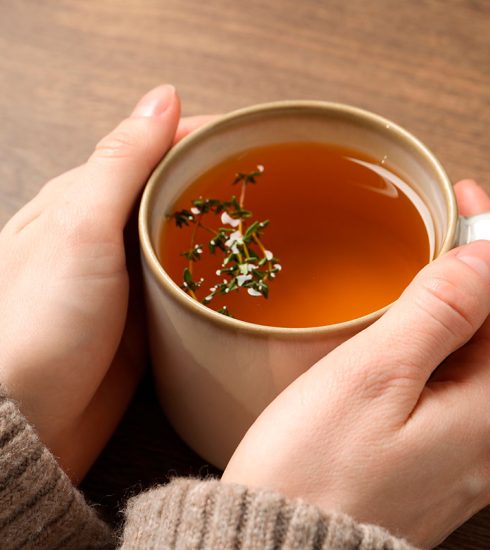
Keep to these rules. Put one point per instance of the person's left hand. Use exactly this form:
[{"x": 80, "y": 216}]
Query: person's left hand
[{"x": 64, "y": 289}]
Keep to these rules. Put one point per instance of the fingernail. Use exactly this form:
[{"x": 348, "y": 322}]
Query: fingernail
[
  {"x": 480, "y": 261},
  {"x": 155, "y": 102}
]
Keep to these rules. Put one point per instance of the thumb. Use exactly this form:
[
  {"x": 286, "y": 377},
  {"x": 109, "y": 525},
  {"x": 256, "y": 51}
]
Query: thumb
[
  {"x": 441, "y": 309},
  {"x": 123, "y": 160}
]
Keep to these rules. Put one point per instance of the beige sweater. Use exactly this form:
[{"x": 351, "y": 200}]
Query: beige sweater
[{"x": 40, "y": 509}]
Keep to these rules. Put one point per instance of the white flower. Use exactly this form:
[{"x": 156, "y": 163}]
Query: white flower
[
  {"x": 195, "y": 211},
  {"x": 226, "y": 219},
  {"x": 277, "y": 266},
  {"x": 235, "y": 239},
  {"x": 242, "y": 279},
  {"x": 253, "y": 292},
  {"x": 269, "y": 255},
  {"x": 236, "y": 236}
]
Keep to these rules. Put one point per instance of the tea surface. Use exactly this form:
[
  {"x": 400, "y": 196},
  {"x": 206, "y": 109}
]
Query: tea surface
[{"x": 349, "y": 240}]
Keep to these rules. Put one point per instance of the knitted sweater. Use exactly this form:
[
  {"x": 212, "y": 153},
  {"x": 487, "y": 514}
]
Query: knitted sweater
[{"x": 40, "y": 509}]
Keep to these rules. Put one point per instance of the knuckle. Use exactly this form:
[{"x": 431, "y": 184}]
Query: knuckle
[
  {"x": 119, "y": 144},
  {"x": 82, "y": 249},
  {"x": 60, "y": 222},
  {"x": 79, "y": 232},
  {"x": 74, "y": 224},
  {"x": 453, "y": 307}
]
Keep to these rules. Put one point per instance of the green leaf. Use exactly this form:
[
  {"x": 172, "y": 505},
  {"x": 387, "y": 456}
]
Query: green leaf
[
  {"x": 250, "y": 231},
  {"x": 193, "y": 255},
  {"x": 182, "y": 217},
  {"x": 189, "y": 283},
  {"x": 188, "y": 277},
  {"x": 208, "y": 298},
  {"x": 264, "y": 289},
  {"x": 224, "y": 311}
]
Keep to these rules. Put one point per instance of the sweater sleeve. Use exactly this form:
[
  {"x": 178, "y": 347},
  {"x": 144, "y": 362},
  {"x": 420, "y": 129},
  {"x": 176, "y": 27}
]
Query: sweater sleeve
[
  {"x": 210, "y": 515},
  {"x": 39, "y": 507}
]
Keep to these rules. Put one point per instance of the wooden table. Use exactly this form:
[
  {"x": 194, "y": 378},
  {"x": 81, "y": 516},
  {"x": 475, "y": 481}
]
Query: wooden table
[{"x": 70, "y": 70}]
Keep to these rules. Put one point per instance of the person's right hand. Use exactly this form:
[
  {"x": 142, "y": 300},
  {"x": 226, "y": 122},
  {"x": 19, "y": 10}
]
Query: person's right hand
[
  {"x": 393, "y": 427},
  {"x": 72, "y": 331}
]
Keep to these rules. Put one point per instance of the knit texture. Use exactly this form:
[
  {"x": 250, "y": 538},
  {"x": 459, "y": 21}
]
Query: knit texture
[
  {"x": 190, "y": 514},
  {"x": 39, "y": 507}
]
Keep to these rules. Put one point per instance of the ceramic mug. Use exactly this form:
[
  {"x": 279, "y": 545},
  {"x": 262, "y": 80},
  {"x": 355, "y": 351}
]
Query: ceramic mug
[{"x": 214, "y": 374}]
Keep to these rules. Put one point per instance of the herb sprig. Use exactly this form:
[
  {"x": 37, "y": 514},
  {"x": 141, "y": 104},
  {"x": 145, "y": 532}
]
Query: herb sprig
[{"x": 246, "y": 263}]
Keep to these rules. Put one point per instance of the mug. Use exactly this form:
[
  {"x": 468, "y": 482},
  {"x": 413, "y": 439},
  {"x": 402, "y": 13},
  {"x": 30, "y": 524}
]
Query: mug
[{"x": 215, "y": 374}]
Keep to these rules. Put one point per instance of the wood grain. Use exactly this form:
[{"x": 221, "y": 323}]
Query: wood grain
[{"x": 70, "y": 70}]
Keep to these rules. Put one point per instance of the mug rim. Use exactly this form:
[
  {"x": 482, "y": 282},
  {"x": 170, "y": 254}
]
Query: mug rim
[{"x": 172, "y": 289}]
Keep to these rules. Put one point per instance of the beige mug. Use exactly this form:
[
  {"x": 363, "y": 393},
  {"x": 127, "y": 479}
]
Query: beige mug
[{"x": 214, "y": 375}]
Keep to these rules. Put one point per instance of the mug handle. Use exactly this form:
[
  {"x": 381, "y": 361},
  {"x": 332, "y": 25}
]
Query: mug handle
[{"x": 473, "y": 228}]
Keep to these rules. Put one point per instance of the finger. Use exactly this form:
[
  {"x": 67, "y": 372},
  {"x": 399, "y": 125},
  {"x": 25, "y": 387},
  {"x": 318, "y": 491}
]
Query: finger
[
  {"x": 122, "y": 161},
  {"x": 191, "y": 123},
  {"x": 52, "y": 190},
  {"x": 440, "y": 310},
  {"x": 472, "y": 199}
]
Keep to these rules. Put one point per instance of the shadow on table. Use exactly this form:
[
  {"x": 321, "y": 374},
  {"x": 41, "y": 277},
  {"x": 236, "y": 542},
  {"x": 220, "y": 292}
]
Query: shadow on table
[{"x": 143, "y": 452}]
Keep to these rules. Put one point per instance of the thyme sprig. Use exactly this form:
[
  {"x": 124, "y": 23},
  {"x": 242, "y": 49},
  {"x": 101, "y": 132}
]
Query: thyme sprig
[{"x": 246, "y": 262}]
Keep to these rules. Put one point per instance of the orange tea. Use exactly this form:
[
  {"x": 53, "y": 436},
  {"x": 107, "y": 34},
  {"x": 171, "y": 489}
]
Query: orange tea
[{"x": 348, "y": 233}]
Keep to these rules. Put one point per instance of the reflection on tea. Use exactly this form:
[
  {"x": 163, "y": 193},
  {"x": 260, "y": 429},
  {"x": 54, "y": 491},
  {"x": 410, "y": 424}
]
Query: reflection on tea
[{"x": 348, "y": 233}]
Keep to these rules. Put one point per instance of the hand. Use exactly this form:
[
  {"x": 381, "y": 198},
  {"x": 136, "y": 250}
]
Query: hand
[
  {"x": 70, "y": 354},
  {"x": 393, "y": 426}
]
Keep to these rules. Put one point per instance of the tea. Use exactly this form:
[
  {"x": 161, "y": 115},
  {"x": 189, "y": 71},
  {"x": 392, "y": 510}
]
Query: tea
[{"x": 349, "y": 233}]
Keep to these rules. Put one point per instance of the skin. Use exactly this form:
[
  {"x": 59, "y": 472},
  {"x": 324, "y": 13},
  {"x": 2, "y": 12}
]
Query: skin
[
  {"x": 372, "y": 430},
  {"x": 392, "y": 427},
  {"x": 72, "y": 330}
]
